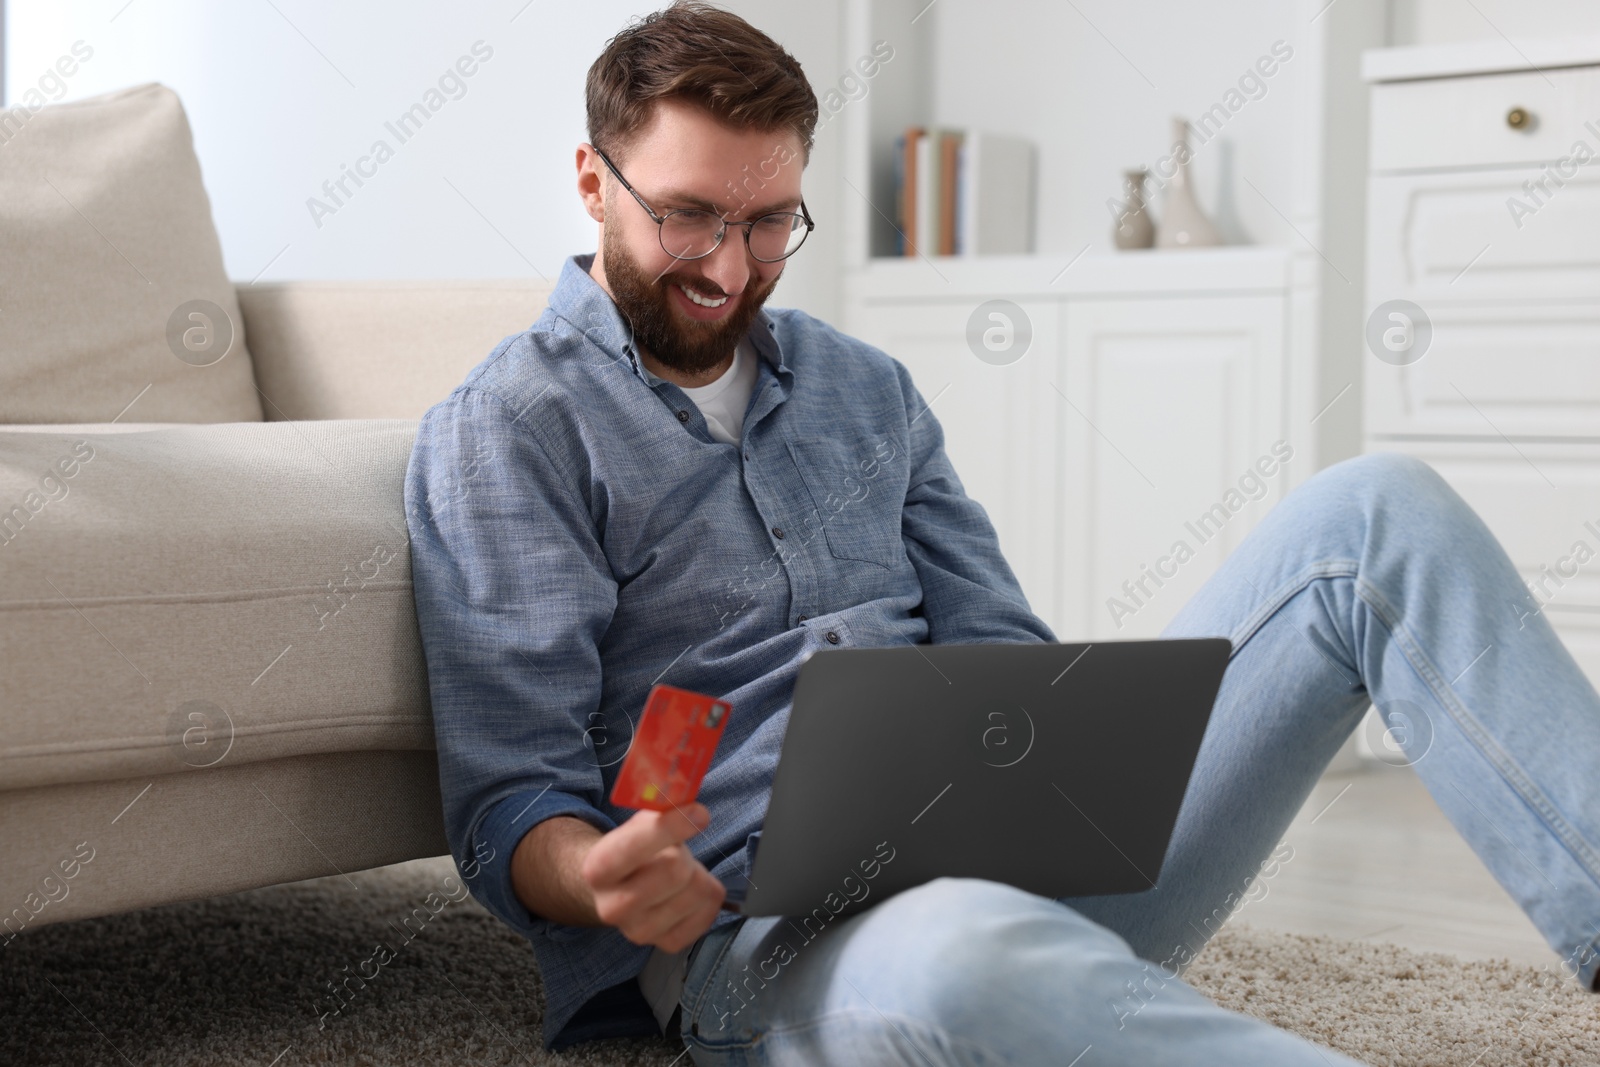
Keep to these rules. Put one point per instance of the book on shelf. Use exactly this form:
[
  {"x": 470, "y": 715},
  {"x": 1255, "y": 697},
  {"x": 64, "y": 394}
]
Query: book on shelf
[{"x": 962, "y": 192}]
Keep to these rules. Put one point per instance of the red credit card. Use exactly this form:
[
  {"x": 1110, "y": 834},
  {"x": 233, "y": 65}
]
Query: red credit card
[{"x": 672, "y": 748}]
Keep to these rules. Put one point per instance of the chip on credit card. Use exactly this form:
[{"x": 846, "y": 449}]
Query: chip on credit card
[{"x": 672, "y": 749}]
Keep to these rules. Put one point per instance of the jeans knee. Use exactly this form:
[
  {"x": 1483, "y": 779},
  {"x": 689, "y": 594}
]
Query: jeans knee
[
  {"x": 1394, "y": 483},
  {"x": 1392, "y": 471},
  {"x": 1003, "y": 970},
  {"x": 996, "y": 937}
]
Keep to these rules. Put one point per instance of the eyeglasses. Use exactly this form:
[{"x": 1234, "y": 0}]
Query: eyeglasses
[{"x": 694, "y": 233}]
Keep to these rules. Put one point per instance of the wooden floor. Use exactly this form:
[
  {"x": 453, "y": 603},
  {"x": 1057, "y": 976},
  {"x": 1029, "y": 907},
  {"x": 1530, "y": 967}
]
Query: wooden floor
[{"x": 1374, "y": 858}]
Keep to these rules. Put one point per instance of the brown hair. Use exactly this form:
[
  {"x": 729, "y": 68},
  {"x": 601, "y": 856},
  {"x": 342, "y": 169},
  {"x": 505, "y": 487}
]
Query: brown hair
[{"x": 704, "y": 55}]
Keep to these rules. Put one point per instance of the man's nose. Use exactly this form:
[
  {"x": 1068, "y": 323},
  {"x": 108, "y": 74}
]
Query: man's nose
[{"x": 729, "y": 264}]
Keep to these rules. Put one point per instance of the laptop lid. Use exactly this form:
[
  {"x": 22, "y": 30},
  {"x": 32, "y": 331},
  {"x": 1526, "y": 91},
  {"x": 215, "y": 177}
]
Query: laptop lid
[{"x": 1056, "y": 768}]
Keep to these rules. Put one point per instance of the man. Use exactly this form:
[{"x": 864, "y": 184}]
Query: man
[{"x": 662, "y": 480}]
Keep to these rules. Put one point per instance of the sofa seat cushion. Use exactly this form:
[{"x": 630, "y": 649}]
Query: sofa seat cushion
[{"x": 174, "y": 597}]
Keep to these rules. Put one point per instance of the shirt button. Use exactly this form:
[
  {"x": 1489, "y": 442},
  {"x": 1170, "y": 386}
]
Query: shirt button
[
  {"x": 683, "y": 416},
  {"x": 747, "y": 455},
  {"x": 777, "y": 533},
  {"x": 833, "y": 637},
  {"x": 802, "y": 618}
]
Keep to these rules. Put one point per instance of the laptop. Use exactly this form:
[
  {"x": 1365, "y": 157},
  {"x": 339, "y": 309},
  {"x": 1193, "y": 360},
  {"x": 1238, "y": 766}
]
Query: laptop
[{"x": 1055, "y": 768}]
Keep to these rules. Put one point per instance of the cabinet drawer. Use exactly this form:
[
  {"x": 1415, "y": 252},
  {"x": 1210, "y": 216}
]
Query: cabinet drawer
[
  {"x": 1466, "y": 237},
  {"x": 1514, "y": 370},
  {"x": 1462, "y": 122}
]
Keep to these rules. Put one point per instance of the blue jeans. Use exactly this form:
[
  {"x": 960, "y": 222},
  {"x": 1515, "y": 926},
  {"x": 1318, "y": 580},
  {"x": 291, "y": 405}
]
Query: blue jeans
[{"x": 1372, "y": 580}]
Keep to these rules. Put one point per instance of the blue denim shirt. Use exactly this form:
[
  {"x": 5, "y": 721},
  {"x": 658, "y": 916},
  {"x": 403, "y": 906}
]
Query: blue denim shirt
[{"x": 577, "y": 535}]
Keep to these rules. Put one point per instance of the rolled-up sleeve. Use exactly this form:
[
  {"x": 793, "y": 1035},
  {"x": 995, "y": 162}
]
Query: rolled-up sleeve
[
  {"x": 969, "y": 592},
  {"x": 513, "y": 596}
]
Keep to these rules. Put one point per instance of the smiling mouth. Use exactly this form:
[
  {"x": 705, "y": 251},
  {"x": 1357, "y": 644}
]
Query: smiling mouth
[{"x": 704, "y": 301}]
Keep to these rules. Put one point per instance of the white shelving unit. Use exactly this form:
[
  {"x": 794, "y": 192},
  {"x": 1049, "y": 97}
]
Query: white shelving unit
[{"x": 1153, "y": 380}]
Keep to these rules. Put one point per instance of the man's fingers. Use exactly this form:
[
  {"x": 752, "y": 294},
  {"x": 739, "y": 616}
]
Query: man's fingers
[
  {"x": 677, "y": 922},
  {"x": 633, "y": 844},
  {"x": 688, "y": 931},
  {"x": 658, "y": 881}
]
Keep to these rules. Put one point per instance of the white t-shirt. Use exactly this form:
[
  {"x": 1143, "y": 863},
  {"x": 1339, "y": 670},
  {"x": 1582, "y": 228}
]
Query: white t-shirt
[
  {"x": 723, "y": 402},
  {"x": 662, "y": 982}
]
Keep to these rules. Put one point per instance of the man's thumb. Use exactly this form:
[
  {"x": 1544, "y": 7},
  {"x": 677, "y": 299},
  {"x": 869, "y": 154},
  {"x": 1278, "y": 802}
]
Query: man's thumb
[{"x": 699, "y": 815}]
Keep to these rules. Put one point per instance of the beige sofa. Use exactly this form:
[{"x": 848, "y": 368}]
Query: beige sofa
[{"x": 210, "y": 671}]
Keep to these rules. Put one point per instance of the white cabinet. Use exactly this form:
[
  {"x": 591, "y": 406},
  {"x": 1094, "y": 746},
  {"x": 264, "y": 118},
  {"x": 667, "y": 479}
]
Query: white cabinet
[
  {"x": 1171, "y": 402},
  {"x": 1484, "y": 212},
  {"x": 1150, "y": 388}
]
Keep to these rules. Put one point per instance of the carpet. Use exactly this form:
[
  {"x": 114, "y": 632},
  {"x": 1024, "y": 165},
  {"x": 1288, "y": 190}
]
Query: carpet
[{"x": 243, "y": 979}]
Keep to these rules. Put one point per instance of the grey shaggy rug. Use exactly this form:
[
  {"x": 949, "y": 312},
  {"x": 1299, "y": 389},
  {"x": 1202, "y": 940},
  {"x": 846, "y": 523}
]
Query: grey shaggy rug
[{"x": 243, "y": 980}]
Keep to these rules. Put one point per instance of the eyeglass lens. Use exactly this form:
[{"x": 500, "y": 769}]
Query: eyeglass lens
[{"x": 693, "y": 234}]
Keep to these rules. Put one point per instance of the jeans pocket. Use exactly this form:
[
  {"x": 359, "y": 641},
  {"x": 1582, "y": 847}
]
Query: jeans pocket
[{"x": 709, "y": 1042}]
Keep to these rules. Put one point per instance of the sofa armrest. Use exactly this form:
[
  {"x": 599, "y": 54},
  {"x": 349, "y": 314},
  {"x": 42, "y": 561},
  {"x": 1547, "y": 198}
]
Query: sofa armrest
[{"x": 376, "y": 350}]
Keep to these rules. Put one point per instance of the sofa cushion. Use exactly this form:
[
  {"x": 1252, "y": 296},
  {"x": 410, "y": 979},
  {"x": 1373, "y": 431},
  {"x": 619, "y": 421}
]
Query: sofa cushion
[
  {"x": 176, "y": 597},
  {"x": 376, "y": 350},
  {"x": 115, "y": 294}
]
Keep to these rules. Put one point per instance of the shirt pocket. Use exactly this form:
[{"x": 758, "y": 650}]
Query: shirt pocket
[{"x": 857, "y": 492}]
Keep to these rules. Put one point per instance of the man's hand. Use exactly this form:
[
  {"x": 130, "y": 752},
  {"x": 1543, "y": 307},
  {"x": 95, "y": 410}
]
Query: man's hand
[{"x": 646, "y": 882}]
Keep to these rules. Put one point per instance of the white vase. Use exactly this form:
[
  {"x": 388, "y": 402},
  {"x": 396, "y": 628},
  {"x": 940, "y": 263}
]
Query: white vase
[{"x": 1183, "y": 224}]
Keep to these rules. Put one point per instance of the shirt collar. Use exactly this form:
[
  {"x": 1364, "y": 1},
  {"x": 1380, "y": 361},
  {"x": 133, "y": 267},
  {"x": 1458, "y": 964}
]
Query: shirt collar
[{"x": 578, "y": 298}]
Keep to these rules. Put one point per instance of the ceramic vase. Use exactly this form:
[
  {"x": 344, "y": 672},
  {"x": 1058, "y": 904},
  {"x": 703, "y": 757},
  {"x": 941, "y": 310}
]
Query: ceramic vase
[
  {"x": 1183, "y": 224},
  {"x": 1134, "y": 228}
]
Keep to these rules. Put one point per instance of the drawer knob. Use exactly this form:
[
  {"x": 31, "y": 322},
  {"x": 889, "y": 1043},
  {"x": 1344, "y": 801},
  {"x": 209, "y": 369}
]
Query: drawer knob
[{"x": 1519, "y": 119}]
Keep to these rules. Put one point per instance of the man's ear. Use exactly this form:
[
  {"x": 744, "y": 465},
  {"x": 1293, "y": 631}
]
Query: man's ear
[{"x": 591, "y": 189}]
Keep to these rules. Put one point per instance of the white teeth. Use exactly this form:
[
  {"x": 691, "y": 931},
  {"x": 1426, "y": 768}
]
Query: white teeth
[{"x": 701, "y": 300}]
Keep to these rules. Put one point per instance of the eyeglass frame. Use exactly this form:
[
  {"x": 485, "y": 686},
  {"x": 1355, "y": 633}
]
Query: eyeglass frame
[{"x": 660, "y": 221}]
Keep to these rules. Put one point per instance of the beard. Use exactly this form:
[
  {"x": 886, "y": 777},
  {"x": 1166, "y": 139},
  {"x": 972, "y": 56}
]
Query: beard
[{"x": 679, "y": 342}]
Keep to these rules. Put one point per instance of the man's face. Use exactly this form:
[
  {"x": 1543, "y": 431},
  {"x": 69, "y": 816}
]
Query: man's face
[{"x": 687, "y": 159}]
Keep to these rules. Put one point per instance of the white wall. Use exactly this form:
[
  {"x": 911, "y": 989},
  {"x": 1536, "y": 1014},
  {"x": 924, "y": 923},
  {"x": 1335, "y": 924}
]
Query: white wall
[
  {"x": 279, "y": 102},
  {"x": 1104, "y": 78},
  {"x": 1444, "y": 21}
]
